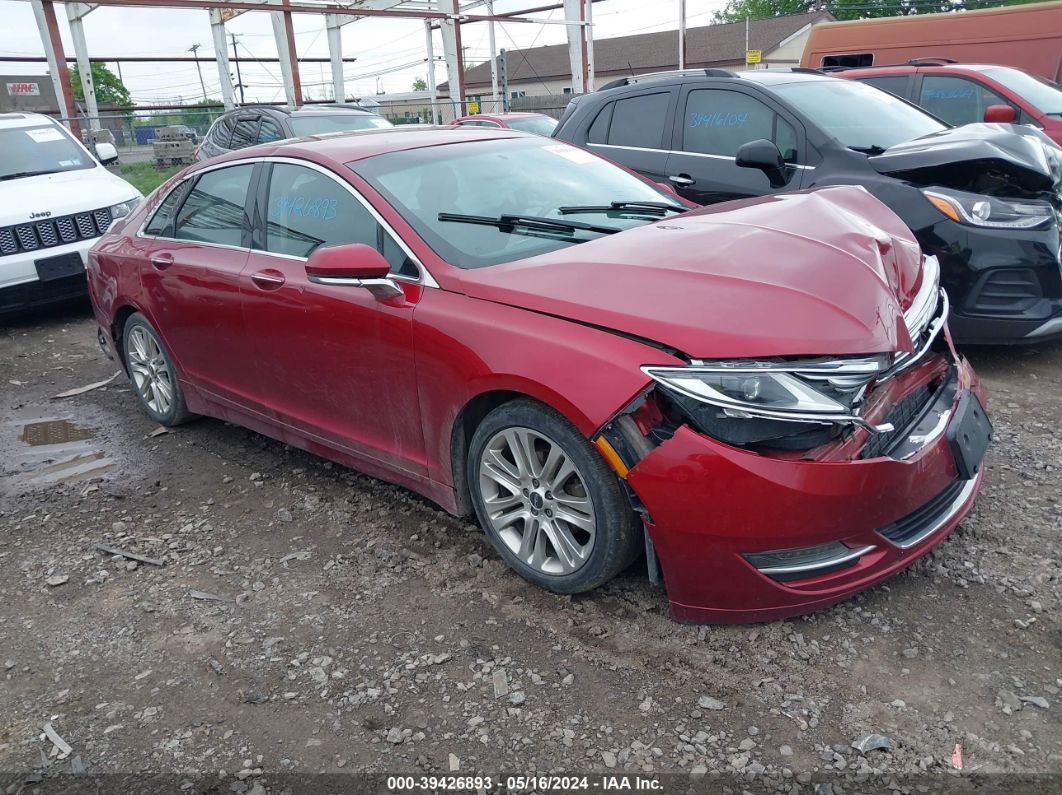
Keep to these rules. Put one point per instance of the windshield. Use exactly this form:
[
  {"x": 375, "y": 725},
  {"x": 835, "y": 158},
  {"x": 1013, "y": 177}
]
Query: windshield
[
  {"x": 340, "y": 122},
  {"x": 859, "y": 116},
  {"x": 45, "y": 149},
  {"x": 1042, "y": 94},
  {"x": 539, "y": 125},
  {"x": 509, "y": 176}
]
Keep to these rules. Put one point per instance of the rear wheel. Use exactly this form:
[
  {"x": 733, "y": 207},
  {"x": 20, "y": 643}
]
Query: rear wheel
[
  {"x": 152, "y": 373},
  {"x": 548, "y": 502}
]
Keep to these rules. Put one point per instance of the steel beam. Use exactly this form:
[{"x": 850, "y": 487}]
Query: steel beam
[
  {"x": 221, "y": 56},
  {"x": 573, "y": 18},
  {"x": 588, "y": 32},
  {"x": 48, "y": 29},
  {"x": 430, "y": 49},
  {"x": 289, "y": 65},
  {"x": 455, "y": 57},
  {"x": 76, "y": 13},
  {"x": 333, "y": 27},
  {"x": 493, "y": 57},
  {"x": 309, "y": 7}
]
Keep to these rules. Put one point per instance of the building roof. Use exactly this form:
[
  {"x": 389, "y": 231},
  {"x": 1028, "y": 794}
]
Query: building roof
[{"x": 647, "y": 52}]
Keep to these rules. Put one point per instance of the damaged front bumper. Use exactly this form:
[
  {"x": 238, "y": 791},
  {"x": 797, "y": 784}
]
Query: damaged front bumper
[
  {"x": 1005, "y": 285},
  {"x": 744, "y": 535}
]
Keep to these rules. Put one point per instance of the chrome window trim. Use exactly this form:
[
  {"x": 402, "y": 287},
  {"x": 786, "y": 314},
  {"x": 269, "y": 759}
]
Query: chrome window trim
[
  {"x": 684, "y": 152},
  {"x": 424, "y": 276}
]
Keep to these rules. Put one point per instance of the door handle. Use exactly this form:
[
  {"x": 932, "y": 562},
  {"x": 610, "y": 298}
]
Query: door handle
[
  {"x": 268, "y": 279},
  {"x": 161, "y": 261},
  {"x": 682, "y": 180}
]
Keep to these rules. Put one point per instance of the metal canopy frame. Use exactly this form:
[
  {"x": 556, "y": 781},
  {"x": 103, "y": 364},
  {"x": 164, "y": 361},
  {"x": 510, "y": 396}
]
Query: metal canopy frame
[{"x": 447, "y": 15}]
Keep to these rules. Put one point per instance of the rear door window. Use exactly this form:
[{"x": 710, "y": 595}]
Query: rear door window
[
  {"x": 639, "y": 121},
  {"x": 161, "y": 222},
  {"x": 221, "y": 132},
  {"x": 719, "y": 122},
  {"x": 245, "y": 134},
  {"x": 894, "y": 84},
  {"x": 957, "y": 100},
  {"x": 269, "y": 131},
  {"x": 214, "y": 210}
]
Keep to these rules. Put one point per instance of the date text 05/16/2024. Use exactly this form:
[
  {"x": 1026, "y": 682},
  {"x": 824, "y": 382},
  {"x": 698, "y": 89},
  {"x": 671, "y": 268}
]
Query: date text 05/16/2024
[{"x": 525, "y": 783}]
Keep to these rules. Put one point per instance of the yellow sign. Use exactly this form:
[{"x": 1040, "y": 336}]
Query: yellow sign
[
  {"x": 473, "y": 107},
  {"x": 754, "y": 56}
]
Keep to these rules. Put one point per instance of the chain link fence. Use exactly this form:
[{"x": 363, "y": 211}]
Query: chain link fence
[{"x": 134, "y": 131}]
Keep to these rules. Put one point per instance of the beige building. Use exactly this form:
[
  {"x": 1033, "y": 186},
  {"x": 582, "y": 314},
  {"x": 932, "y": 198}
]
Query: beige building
[{"x": 546, "y": 71}]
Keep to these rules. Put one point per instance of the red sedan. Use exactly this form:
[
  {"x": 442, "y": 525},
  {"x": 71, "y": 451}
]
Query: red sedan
[
  {"x": 537, "y": 123},
  {"x": 760, "y": 399}
]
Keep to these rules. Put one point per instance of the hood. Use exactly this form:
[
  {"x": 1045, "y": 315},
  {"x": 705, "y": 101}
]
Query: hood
[
  {"x": 1023, "y": 155},
  {"x": 23, "y": 200},
  {"x": 824, "y": 272}
]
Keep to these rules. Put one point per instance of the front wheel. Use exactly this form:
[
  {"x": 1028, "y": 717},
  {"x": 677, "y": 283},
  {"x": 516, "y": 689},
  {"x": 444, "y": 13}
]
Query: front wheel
[{"x": 548, "y": 502}]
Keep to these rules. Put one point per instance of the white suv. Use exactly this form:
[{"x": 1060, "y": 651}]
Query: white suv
[{"x": 56, "y": 200}]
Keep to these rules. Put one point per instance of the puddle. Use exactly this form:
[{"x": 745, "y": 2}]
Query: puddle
[
  {"x": 54, "y": 432},
  {"x": 46, "y": 450}
]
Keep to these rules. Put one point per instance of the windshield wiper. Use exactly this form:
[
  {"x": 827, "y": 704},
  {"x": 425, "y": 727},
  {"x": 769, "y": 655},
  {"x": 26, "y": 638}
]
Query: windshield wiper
[
  {"x": 507, "y": 223},
  {"x": 20, "y": 174},
  {"x": 871, "y": 150},
  {"x": 651, "y": 208}
]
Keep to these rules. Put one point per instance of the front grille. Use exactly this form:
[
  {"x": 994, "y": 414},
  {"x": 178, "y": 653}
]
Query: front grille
[
  {"x": 1011, "y": 290},
  {"x": 923, "y": 521},
  {"x": 54, "y": 231},
  {"x": 902, "y": 417}
]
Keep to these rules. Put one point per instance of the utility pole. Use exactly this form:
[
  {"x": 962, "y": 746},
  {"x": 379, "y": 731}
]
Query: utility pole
[
  {"x": 194, "y": 50},
  {"x": 236, "y": 60}
]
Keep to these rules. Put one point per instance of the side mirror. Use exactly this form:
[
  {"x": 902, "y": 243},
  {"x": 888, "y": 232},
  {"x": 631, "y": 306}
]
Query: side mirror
[
  {"x": 106, "y": 153},
  {"x": 1000, "y": 114},
  {"x": 764, "y": 155},
  {"x": 352, "y": 265}
]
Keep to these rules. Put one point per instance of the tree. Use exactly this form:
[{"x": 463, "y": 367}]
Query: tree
[
  {"x": 109, "y": 88},
  {"x": 739, "y": 10},
  {"x": 420, "y": 84}
]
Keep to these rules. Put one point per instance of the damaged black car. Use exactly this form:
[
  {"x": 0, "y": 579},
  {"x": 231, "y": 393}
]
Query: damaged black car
[{"x": 985, "y": 199}]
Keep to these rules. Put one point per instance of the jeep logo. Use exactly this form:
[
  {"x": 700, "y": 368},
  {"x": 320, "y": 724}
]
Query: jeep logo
[{"x": 39, "y": 215}]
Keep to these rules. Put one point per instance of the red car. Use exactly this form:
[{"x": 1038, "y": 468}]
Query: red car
[
  {"x": 967, "y": 93},
  {"x": 761, "y": 398},
  {"x": 537, "y": 123}
]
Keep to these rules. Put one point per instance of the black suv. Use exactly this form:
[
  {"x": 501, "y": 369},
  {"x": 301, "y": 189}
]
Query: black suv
[
  {"x": 259, "y": 124},
  {"x": 985, "y": 199}
]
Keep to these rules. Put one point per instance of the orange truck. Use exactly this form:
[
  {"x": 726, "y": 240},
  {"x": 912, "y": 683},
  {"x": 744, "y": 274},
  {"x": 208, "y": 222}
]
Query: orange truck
[{"x": 1025, "y": 36}]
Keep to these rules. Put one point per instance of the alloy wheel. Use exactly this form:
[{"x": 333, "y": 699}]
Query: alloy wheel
[
  {"x": 536, "y": 501},
  {"x": 152, "y": 376}
]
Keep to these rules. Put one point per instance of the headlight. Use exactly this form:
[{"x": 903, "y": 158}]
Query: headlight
[
  {"x": 799, "y": 399},
  {"x": 125, "y": 208},
  {"x": 989, "y": 211}
]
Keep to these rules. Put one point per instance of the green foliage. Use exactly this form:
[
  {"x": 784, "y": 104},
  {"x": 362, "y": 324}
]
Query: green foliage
[
  {"x": 109, "y": 89},
  {"x": 420, "y": 84},
  {"x": 739, "y": 10},
  {"x": 144, "y": 176}
]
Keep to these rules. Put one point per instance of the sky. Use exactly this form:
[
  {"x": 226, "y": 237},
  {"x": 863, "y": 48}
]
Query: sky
[{"x": 390, "y": 53}]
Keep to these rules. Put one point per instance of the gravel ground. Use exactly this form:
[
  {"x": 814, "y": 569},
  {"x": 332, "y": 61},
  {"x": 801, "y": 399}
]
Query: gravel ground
[{"x": 311, "y": 624}]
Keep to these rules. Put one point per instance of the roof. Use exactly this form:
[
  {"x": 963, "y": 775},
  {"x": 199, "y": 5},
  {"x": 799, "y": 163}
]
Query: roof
[
  {"x": 346, "y": 147},
  {"x": 648, "y": 52},
  {"x": 23, "y": 119}
]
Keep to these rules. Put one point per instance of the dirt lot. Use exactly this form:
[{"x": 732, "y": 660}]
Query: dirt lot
[{"x": 310, "y": 620}]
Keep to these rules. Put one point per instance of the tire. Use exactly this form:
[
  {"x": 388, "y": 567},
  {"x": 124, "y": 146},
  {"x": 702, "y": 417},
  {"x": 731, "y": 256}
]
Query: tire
[
  {"x": 537, "y": 516},
  {"x": 152, "y": 373}
]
